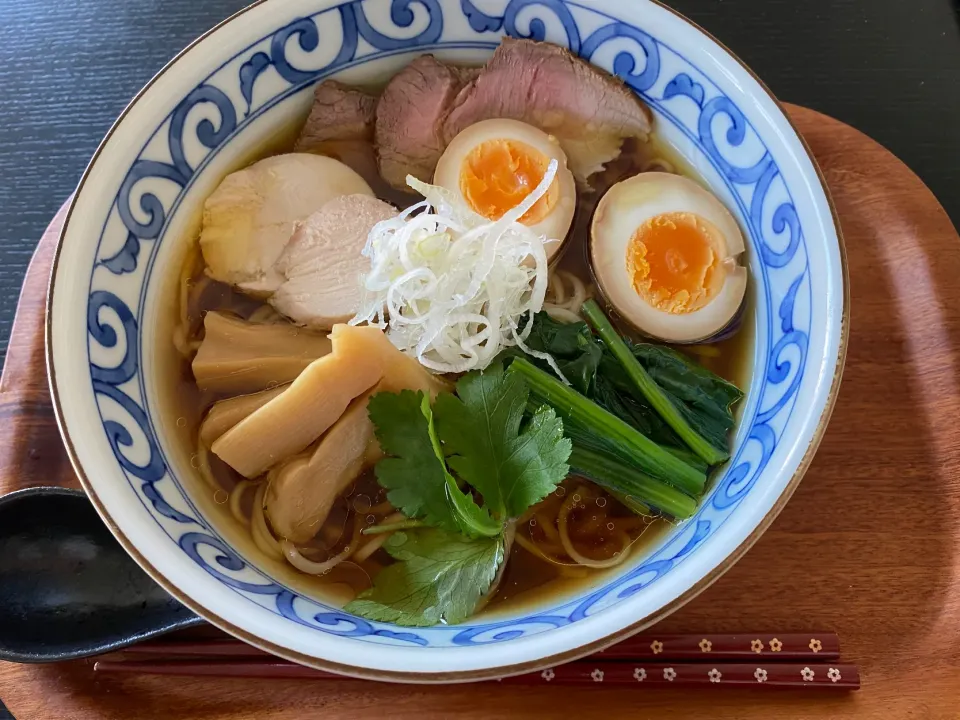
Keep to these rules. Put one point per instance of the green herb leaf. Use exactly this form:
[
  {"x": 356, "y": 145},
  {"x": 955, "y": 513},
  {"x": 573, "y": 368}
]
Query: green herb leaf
[
  {"x": 472, "y": 519},
  {"x": 439, "y": 578},
  {"x": 416, "y": 476},
  {"x": 704, "y": 399},
  {"x": 572, "y": 346},
  {"x": 513, "y": 467},
  {"x": 585, "y": 421},
  {"x": 620, "y": 402}
]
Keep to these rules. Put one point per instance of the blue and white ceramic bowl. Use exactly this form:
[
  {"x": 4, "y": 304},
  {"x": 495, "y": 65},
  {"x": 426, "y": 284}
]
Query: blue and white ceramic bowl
[{"x": 235, "y": 88}]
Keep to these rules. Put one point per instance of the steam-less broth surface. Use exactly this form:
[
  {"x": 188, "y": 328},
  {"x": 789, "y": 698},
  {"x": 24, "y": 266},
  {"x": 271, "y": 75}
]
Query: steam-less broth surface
[
  {"x": 527, "y": 579},
  {"x": 601, "y": 529}
]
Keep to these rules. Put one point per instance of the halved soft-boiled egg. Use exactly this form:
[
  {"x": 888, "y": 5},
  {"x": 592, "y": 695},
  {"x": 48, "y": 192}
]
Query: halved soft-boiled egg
[
  {"x": 494, "y": 164},
  {"x": 665, "y": 253}
]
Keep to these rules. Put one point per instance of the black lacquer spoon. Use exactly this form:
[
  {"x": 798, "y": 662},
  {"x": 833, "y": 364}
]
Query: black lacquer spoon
[{"x": 67, "y": 588}]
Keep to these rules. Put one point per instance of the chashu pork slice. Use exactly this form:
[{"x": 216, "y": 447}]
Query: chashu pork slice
[
  {"x": 589, "y": 111},
  {"x": 340, "y": 125},
  {"x": 340, "y": 114},
  {"x": 410, "y": 117},
  {"x": 322, "y": 263}
]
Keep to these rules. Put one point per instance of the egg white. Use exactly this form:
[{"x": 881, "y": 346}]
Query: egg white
[
  {"x": 623, "y": 209},
  {"x": 555, "y": 226}
]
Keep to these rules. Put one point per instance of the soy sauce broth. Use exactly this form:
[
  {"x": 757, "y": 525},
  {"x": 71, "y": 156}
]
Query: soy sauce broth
[{"x": 527, "y": 579}]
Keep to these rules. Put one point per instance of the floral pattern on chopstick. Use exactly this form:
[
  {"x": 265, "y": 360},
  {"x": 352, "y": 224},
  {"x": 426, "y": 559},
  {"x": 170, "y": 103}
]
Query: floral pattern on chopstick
[
  {"x": 822, "y": 647},
  {"x": 771, "y": 675}
]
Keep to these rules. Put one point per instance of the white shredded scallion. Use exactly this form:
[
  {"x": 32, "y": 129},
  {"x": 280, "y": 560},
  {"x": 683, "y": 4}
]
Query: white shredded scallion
[{"x": 451, "y": 287}]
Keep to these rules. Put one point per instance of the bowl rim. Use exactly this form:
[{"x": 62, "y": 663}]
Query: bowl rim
[{"x": 420, "y": 677}]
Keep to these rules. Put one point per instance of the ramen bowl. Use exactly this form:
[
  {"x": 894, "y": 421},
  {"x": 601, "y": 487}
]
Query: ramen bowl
[{"x": 245, "y": 83}]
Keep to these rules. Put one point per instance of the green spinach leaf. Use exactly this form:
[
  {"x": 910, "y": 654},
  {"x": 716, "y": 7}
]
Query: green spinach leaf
[
  {"x": 704, "y": 399},
  {"x": 572, "y": 345}
]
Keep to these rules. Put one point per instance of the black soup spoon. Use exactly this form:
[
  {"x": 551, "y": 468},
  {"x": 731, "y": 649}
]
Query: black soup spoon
[{"x": 67, "y": 588}]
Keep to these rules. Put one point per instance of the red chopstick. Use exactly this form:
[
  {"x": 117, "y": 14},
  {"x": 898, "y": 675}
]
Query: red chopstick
[
  {"x": 746, "y": 647},
  {"x": 809, "y": 660},
  {"x": 824, "y": 676}
]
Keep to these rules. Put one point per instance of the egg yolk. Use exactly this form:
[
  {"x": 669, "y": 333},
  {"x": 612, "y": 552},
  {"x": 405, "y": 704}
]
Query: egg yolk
[
  {"x": 498, "y": 174},
  {"x": 675, "y": 262}
]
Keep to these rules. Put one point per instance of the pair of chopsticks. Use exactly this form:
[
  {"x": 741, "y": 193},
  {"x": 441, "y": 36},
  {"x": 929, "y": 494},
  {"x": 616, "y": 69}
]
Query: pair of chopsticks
[{"x": 766, "y": 661}]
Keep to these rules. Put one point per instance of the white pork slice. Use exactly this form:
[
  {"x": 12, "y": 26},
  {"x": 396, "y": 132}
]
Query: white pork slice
[
  {"x": 249, "y": 219},
  {"x": 321, "y": 266}
]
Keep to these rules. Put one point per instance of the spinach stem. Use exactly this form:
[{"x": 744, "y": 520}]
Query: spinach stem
[
  {"x": 647, "y": 387},
  {"x": 623, "y": 480},
  {"x": 691, "y": 459},
  {"x": 633, "y": 445},
  {"x": 392, "y": 527}
]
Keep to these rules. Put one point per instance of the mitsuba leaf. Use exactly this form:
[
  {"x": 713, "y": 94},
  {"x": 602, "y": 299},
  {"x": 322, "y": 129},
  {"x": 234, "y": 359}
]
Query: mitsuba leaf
[
  {"x": 415, "y": 474},
  {"x": 511, "y": 464},
  {"x": 438, "y": 577},
  {"x": 472, "y": 519}
]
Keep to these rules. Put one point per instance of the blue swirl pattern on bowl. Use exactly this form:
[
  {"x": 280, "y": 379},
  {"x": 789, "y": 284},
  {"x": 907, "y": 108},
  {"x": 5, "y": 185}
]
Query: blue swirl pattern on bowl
[{"x": 681, "y": 95}]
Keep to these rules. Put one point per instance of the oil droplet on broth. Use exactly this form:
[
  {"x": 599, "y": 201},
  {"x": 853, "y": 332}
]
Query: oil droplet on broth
[
  {"x": 371, "y": 519},
  {"x": 601, "y": 501},
  {"x": 221, "y": 496},
  {"x": 195, "y": 461},
  {"x": 576, "y": 499},
  {"x": 181, "y": 422},
  {"x": 610, "y": 526},
  {"x": 561, "y": 491},
  {"x": 362, "y": 503},
  {"x": 533, "y": 522}
]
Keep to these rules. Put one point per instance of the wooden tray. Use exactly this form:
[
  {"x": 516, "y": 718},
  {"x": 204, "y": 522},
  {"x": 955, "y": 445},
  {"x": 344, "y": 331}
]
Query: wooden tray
[{"x": 869, "y": 546}]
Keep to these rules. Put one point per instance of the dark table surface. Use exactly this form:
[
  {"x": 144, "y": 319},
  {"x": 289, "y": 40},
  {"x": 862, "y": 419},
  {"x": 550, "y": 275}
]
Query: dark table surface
[{"x": 67, "y": 68}]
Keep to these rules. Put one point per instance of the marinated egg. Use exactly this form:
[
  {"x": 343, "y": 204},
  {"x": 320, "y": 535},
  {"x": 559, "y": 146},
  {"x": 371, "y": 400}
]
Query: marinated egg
[
  {"x": 494, "y": 164},
  {"x": 665, "y": 255}
]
